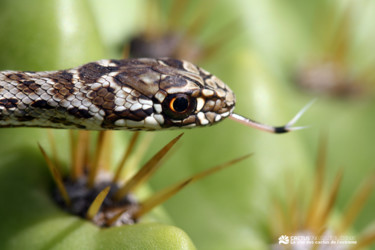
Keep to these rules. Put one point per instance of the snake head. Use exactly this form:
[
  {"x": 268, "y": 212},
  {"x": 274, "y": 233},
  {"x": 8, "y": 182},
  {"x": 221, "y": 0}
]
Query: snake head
[
  {"x": 154, "y": 94},
  {"x": 189, "y": 96}
]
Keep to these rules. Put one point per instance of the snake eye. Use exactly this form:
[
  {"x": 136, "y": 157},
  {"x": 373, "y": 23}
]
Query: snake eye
[{"x": 179, "y": 106}]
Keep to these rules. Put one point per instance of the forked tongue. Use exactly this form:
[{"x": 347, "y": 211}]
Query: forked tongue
[{"x": 271, "y": 129}]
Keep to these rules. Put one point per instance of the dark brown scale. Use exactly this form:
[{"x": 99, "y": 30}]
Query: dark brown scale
[
  {"x": 108, "y": 105},
  {"x": 24, "y": 88},
  {"x": 103, "y": 98},
  {"x": 63, "y": 77},
  {"x": 92, "y": 94},
  {"x": 84, "y": 113},
  {"x": 64, "y": 121},
  {"x": 98, "y": 101},
  {"x": 64, "y": 92},
  {"x": 34, "y": 86},
  {"x": 28, "y": 82},
  {"x": 132, "y": 78},
  {"x": 63, "y": 88},
  {"x": 148, "y": 111},
  {"x": 28, "y": 86},
  {"x": 174, "y": 63},
  {"x": 79, "y": 113},
  {"x": 112, "y": 116},
  {"x": 42, "y": 104},
  {"x": 102, "y": 92},
  {"x": 64, "y": 84},
  {"x": 16, "y": 77},
  {"x": 140, "y": 113},
  {"x": 109, "y": 97},
  {"x": 91, "y": 72},
  {"x": 177, "y": 81},
  {"x": 127, "y": 114},
  {"x": 9, "y": 103}
]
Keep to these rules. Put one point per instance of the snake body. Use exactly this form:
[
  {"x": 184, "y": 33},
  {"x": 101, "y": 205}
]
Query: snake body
[{"x": 135, "y": 94}]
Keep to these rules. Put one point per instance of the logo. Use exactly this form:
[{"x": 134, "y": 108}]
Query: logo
[{"x": 283, "y": 239}]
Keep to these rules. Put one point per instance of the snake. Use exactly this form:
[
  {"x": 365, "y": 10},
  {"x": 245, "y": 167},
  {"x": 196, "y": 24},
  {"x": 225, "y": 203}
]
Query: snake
[{"x": 134, "y": 94}]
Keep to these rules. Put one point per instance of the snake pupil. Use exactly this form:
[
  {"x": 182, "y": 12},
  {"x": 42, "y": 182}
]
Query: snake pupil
[{"x": 180, "y": 104}]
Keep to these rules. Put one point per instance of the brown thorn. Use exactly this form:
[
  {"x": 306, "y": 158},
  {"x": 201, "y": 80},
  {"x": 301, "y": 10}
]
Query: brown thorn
[
  {"x": 52, "y": 142},
  {"x": 125, "y": 157},
  {"x": 97, "y": 203},
  {"x": 138, "y": 155},
  {"x": 166, "y": 193},
  {"x": 200, "y": 19},
  {"x": 159, "y": 198},
  {"x": 277, "y": 222},
  {"x": 331, "y": 199},
  {"x": 99, "y": 152},
  {"x": 175, "y": 13},
  {"x": 339, "y": 42},
  {"x": 87, "y": 151},
  {"x": 80, "y": 151},
  {"x": 73, "y": 146},
  {"x": 314, "y": 206},
  {"x": 219, "y": 167},
  {"x": 357, "y": 204},
  {"x": 56, "y": 176},
  {"x": 146, "y": 171},
  {"x": 153, "y": 15},
  {"x": 293, "y": 212},
  {"x": 105, "y": 160}
]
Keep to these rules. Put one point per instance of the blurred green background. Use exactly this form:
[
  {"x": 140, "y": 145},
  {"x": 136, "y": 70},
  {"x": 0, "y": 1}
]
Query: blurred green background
[{"x": 275, "y": 55}]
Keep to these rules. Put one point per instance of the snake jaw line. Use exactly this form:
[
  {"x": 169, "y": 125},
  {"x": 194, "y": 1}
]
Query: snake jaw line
[{"x": 272, "y": 129}]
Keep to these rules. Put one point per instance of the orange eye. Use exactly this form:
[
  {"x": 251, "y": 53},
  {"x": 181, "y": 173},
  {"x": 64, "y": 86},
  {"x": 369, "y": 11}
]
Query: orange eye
[{"x": 179, "y": 106}]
